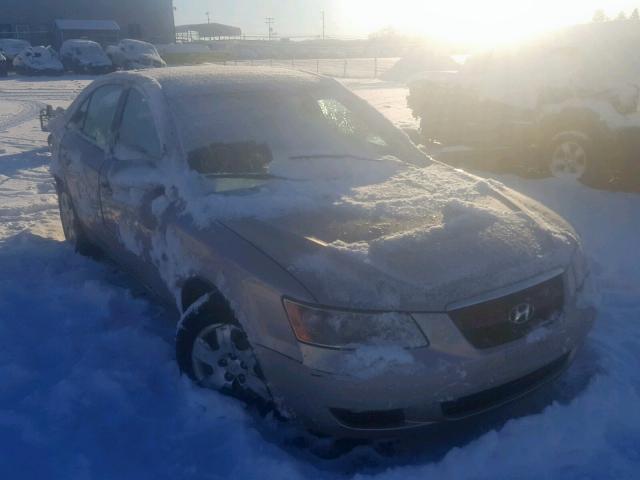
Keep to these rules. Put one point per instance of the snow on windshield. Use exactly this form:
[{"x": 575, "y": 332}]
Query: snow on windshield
[{"x": 257, "y": 133}]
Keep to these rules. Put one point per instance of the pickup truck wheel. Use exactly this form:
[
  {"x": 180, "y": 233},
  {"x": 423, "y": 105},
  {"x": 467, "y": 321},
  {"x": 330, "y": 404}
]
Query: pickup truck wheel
[
  {"x": 214, "y": 351},
  {"x": 71, "y": 226},
  {"x": 572, "y": 157}
]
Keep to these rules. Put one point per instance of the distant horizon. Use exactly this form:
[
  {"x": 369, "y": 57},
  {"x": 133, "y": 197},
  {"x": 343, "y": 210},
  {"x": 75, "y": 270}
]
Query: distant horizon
[{"x": 456, "y": 21}]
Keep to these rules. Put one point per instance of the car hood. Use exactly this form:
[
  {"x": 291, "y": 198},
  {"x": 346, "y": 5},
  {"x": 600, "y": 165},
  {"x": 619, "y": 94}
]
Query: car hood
[{"x": 424, "y": 253}]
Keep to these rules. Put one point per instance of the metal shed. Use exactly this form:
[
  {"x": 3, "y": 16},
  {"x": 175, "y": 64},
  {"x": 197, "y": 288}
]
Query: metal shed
[{"x": 105, "y": 32}]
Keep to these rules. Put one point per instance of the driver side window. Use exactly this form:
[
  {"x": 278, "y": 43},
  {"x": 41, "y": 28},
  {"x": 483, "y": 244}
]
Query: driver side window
[
  {"x": 137, "y": 135},
  {"x": 77, "y": 120},
  {"x": 100, "y": 114}
]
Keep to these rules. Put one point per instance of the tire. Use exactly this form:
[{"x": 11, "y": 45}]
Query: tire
[
  {"x": 572, "y": 156},
  {"x": 213, "y": 350},
  {"x": 71, "y": 226}
]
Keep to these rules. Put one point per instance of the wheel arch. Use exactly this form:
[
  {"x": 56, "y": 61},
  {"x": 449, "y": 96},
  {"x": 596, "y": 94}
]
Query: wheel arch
[
  {"x": 195, "y": 288},
  {"x": 576, "y": 121}
]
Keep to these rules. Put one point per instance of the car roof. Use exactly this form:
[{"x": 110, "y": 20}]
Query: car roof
[{"x": 179, "y": 82}]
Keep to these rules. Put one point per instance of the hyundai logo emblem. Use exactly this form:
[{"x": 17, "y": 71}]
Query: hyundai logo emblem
[{"x": 521, "y": 313}]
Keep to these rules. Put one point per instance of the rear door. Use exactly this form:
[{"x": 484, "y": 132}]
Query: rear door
[
  {"x": 130, "y": 184},
  {"x": 83, "y": 151}
]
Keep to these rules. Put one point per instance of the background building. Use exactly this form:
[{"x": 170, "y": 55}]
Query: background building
[{"x": 44, "y": 22}]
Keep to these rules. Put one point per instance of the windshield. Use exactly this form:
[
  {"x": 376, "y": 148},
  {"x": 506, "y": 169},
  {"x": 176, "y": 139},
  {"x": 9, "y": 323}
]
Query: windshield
[
  {"x": 245, "y": 133},
  {"x": 88, "y": 49},
  {"x": 140, "y": 48}
]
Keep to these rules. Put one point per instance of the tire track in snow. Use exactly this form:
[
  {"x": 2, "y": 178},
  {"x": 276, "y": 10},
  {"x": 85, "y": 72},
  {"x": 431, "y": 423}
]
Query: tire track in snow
[{"x": 27, "y": 110}]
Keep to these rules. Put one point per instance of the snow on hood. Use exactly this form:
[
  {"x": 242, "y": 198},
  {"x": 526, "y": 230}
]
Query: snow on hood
[
  {"x": 86, "y": 52},
  {"x": 394, "y": 237}
]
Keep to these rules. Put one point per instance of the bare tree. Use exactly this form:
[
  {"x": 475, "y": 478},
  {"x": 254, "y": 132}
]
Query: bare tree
[{"x": 600, "y": 16}]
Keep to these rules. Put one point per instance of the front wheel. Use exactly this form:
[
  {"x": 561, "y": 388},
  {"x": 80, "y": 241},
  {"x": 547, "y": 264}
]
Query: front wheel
[
  {"x": 572, "y": 157},
  {"x": 214, "y": 351},
  {"x": 71, "y": 226}
]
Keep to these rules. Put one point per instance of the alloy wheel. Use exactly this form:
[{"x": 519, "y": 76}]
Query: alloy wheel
[
  {"x": 222, "y": 359},
  {"x": 569, "y": 161}
]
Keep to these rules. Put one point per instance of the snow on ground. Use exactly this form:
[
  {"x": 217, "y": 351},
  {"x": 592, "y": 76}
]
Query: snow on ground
[{"x": 89, "y": 388}]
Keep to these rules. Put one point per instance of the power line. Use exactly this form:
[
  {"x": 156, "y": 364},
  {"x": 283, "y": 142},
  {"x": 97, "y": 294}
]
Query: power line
[{"x": 270, "y": 21}]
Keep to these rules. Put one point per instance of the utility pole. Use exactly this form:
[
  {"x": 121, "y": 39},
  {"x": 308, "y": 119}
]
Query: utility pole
[
  {"x": 323, "y": 24},
  {"x": 208, "y": 17},
  {"x": 270, "y": 21}
]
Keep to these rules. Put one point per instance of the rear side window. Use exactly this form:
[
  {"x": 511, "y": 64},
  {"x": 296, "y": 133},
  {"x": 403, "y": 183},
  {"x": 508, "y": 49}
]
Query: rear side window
[
  {"x": 137, "y": 131},
  {"x": 77, "y": 120},
  {"x": 100, "y": 114}
]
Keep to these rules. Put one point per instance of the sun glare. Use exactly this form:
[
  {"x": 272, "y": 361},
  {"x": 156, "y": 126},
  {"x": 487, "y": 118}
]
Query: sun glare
[{"x": 484, "y": 23}]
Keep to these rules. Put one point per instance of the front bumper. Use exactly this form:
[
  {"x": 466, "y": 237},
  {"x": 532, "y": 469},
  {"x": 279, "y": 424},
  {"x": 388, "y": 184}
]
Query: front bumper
[{"x": 446, "y": 381}]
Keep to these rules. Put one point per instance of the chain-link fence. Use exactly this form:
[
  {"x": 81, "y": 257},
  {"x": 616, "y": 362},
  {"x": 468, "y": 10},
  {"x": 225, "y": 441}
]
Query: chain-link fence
[{"x": 335, "y": 67}]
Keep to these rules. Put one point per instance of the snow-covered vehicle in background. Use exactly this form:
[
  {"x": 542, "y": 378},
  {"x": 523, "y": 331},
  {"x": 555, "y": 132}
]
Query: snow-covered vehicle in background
[
  {"x": 38, "y": 61},
  {"x": 11, "y": 47},
  {"x": 131, "y": 54},
  {"x": 85, "y": 56},
  {"x": 316, "y": 259},
  {"x": 4, "y": 65},
  {"x": 567, "y": 106}
]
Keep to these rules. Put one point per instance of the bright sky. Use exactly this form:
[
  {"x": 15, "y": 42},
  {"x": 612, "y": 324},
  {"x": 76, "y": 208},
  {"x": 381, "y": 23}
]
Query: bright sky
[{"x": 481, "y": 21}]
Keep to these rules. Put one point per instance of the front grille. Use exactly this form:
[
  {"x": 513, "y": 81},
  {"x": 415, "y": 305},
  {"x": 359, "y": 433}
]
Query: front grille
[
  {"x": 379, "y": 419},
  {"x": 492, "y": 397},
  {"x": 488, "y": 324}
]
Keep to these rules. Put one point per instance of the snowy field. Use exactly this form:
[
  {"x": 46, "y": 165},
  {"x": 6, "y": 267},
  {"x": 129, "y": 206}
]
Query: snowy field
[{"x": 89, "y": 387}]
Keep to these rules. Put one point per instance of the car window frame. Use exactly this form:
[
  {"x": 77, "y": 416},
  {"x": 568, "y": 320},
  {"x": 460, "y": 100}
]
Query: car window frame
[
  {"x": 89, "y": 99},
  {"x": 152, "y": 160}
]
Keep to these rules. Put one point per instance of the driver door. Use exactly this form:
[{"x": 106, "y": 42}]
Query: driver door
[{"x": 130, "y": 183}]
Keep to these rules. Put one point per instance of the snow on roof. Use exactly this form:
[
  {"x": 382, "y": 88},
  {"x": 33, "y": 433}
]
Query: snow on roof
[
  {"x": 79, "y": 42},
  {"x": 200, "y": 80},
  {"x": 86, "y": 25}
]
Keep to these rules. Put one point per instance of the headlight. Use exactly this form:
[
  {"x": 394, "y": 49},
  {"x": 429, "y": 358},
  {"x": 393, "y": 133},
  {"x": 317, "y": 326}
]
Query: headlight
[{"x": 343, "y": 329}]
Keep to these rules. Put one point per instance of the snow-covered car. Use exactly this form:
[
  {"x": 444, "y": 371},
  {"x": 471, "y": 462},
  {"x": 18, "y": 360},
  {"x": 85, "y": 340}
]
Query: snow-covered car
[
  {"x": 4, "y": 65},
  {"x": 38, "y": 61},
  {"x": 11, "y": 47},
  {"x": 317, "y": 261},
  {"x": 85, "y": 56},
  {"x": 134, "y": 54}
]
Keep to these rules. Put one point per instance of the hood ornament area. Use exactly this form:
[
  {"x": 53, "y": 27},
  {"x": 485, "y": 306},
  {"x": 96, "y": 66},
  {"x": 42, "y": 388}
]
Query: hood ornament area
[{"x": 521, "y": 313}]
